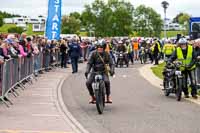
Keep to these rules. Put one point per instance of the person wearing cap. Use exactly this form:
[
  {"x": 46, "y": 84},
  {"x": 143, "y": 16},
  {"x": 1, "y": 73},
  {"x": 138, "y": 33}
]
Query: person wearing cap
[
  {"x": 98, "y": 61},
  {"x": 186, "y": 54},
  {"x": 168, "y": 49}
]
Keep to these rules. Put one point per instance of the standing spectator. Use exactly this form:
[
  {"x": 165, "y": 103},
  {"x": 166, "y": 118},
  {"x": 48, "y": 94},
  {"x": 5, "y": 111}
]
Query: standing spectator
[
  {"x": 13, "y": 52},
  {"x": 74, "y": 53},
  {"x": 136, "y": 49},
  {"x": 63, "y": 52},
  {"x": 84, "y": 47},
  {"x": 4, "y": 50},
  {"x": 36, "y": 56},
  {"x": 47, "y": 57},
  {"x": 29, "y": 47},
  {"x": 23, "y": 41},
  {"x": 156, "y": 49}
]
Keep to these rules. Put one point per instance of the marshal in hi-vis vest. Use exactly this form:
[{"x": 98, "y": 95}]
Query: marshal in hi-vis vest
[{"x": 188, "y": 59}]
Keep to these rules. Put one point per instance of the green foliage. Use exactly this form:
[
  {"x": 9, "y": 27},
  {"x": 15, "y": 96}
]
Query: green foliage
[
  {"x": 158, "y": 70},
  {"x": 1, "y": 21},
  {"x": 70, "y": 25},
  {"x": 18, "y": 30},
  {"x": 147, "y": 22},
  {"x": 8, "y": 15},
  {"x": 108, "y": 19},
  {"x": 172, "y": 33},
  {"x": 183, "y": 20}
]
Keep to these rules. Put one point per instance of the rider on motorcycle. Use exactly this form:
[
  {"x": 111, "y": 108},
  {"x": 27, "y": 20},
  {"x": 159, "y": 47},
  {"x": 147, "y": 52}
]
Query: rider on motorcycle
[
  {"x": 129, "y": 51},
  {"x": 98, "y": 61},
  {"x": 122, "y": 48},
  {"x": 185, "y": 54}
]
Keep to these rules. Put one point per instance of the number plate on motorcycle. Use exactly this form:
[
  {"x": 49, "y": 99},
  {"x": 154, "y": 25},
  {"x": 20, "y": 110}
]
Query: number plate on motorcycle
[{"x": 95, "y": 86}]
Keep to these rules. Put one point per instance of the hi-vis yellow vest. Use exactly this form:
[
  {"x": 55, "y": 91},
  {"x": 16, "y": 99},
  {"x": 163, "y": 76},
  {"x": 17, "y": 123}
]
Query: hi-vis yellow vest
[
  {"x": 168, "y": 49},
  {"x": 188, "y": 59}
]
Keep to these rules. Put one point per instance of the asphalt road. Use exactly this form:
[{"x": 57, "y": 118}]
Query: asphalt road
[{"x": 138, "y": 107}]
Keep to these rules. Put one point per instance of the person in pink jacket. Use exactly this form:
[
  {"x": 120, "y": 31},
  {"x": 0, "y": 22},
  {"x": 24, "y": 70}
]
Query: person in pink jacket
[{"x": 21, "y": 49}]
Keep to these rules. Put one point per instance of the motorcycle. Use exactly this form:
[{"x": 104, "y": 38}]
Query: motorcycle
[
  {"x": 173, "y": 81},
  {"x": 99, "y": 90},
  {"x": 122, "y": 60},
  {"x": 143, "y": 56}
]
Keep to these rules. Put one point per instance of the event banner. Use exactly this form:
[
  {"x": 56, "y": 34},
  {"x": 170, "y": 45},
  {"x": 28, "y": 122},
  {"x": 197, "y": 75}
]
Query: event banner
[{"x": 53, "y": 23}]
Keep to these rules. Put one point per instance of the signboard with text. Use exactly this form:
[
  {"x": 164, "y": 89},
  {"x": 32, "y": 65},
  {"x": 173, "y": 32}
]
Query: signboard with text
[{"x": 53, "y": 23}]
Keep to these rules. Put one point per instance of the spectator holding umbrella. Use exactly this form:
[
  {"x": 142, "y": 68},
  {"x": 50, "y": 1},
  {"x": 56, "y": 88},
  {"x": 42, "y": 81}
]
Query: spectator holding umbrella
[{"x": 74, "y": 53}]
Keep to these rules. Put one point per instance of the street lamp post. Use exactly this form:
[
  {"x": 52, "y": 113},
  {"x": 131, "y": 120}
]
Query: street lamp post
[{"x": 165, "y": 5}]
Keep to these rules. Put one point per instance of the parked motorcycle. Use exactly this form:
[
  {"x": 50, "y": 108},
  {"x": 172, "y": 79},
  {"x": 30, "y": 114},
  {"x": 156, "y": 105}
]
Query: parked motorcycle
[{"x": 173, "y": 81}]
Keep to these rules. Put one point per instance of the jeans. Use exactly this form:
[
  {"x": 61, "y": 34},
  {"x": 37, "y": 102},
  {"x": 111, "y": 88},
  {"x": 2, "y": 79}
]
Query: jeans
[
  {"x": 192, "y": 82},
  {"x": 74, "y": 62},
  {"x": 90, "y": 80},
  {"x": 47, "y": 61},
  {"x": 36, "y": 64},
  {"x": 64, "y": 60}
]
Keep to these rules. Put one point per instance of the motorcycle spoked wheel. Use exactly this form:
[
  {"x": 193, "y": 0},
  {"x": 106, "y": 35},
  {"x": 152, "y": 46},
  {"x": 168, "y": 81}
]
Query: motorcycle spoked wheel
[
  {"x": 166, "y": 91},
  {"x": 100, "y": 100}
]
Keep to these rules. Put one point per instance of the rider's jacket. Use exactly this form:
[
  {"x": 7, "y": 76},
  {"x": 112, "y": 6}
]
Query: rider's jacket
[
  {"x": 121, "y": 48},
  {"x": 153, "y": 48},
  {"x": 168, "y": 49},
  {"x": 187, "y": 57},
  {"x": 97, "y": 65},
  {"x": 128, "y": 48}
]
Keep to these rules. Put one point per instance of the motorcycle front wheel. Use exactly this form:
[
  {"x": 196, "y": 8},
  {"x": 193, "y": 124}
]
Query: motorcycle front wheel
[{"x": 100, "y": 101}]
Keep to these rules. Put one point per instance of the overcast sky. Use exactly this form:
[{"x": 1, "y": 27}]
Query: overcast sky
[{"x": 37, "y": 7}]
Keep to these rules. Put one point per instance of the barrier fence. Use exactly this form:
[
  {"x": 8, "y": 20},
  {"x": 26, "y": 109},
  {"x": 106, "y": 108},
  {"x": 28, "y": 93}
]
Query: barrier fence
[{"x": 14, "y": 71}]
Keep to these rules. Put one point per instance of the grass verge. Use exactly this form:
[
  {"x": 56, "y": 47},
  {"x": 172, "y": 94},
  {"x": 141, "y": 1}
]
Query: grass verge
[{"x": 157, "y": 70}]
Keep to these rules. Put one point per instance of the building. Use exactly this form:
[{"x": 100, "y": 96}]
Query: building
[
  {"x": 172, "y": 26},
  {"x": 26, "y": 20},
  {"x": 38, "y": 23}
]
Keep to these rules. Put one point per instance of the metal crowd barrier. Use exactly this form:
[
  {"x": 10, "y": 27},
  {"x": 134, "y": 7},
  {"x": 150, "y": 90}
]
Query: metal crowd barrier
[
  {"x": 14, "y": 71},
  {"x": 197, "y": 76}
]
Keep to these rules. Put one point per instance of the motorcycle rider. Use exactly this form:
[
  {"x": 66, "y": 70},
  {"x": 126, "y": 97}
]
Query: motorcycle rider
[
  {"x": 156, "y": 50},
  {"x": 168, "y": 48},
  {"x": 185, "y": 54},
  {"x": 129, "y": 51},
  {"x": 98, "y": 61},
  {"x": 122, "y": 48}
]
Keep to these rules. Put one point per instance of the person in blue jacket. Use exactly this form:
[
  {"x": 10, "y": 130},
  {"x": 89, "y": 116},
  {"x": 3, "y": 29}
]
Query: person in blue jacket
[{"x": 74, "y": 53}]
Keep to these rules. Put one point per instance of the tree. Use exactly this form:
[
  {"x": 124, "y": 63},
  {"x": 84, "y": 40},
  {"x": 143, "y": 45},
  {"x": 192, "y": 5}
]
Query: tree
[
  {"x": 18, "y": 30},
  {"x": 183, "y": 20},
  {"x": 70, "y": 25},
  {"x": 113, "y": 18},
  {"x": 147, "y": 22},
  {"x": 1, "y": 21}
]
